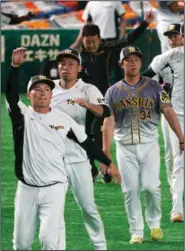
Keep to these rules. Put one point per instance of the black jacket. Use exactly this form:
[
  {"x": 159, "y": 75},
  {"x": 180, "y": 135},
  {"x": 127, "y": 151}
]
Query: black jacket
[{"x": 97, "y": 66}]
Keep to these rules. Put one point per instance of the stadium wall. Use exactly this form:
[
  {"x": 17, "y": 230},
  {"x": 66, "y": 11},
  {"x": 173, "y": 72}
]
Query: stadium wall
[{"x": 43, "y": 44}]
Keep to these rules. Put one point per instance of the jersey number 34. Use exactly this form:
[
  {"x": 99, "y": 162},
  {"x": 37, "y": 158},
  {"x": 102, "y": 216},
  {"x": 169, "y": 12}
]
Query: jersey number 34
[{"x": 145, "y": 115}]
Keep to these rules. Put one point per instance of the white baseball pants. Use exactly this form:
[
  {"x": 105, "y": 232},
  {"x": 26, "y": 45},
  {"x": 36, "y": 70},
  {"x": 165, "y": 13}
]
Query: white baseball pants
[
  {"x": 177, "y": 173},
  {"x": 45, "y": 204},
  {"x": 168, "y": 148},
  {"x": 81, "y": 182},
  {"x": 139, "y": 166}
]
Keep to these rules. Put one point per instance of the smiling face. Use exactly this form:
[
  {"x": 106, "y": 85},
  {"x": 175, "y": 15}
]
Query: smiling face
[
  {"x": 175, "y": 40},
  {"x": 131, "y": 65},
  {"x": 69, "y": 68},
  {"x": 40, "y": 95}
]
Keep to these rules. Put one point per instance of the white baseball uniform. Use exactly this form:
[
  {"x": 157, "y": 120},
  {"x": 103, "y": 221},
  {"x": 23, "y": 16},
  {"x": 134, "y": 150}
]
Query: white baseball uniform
[
  {"x": 165, "y": 17},
  {"x": 104, "y": 14},
  {"x": 175, "y": 59},
  {"x": 167, "y": 77},
  {"x": 77, "y": 164},
  {"x": 136, "y": 110},
  {"x": 40, "y": 146}
]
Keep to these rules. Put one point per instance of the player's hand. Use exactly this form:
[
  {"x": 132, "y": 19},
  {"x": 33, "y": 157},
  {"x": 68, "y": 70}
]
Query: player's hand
[
  {"x": 82, "y": 102},
  {"x": 149, "y": 17},
  {"x": 114, "y": 173},
  {"x": 18, "y": 56},
  {"x": 103, "y": 168}
]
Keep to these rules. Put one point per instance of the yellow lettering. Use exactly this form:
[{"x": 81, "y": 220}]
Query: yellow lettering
[{"x": 132, "y": 49}]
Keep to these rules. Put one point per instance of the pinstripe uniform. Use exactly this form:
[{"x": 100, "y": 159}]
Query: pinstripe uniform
[{"x": 136, "y": 110}]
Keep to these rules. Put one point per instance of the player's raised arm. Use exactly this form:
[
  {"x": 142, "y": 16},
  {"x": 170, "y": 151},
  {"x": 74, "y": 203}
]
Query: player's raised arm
[
  {"x": 132, "y": 36},
  {"x": 18, "y": 57},
  {"x": 12, "y": 86}
]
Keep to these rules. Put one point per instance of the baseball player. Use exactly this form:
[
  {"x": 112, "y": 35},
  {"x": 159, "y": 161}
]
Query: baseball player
[
  {"x": 168, "y": 12},
  {"x": 165, "y": 77},
  {"x": 175, "y": 59},
  {"x": 136, "y": 103},
  {"x": 75, "y": 97},
  {"x": 40, "y": 145},
  {"x": 99, "y": 59}
]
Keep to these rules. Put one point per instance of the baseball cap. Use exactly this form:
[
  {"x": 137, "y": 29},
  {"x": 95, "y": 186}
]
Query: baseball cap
[
  {"x": 69, "y": 53},
  {"x": 172, "y": 28},
  {"x": 39, "y": 79},
  {"x": 128, "y": 51},
  {"x": 182, "y": 30}
]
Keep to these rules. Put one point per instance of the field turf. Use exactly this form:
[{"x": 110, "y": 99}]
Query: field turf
[{"x": 109, "y": 200}]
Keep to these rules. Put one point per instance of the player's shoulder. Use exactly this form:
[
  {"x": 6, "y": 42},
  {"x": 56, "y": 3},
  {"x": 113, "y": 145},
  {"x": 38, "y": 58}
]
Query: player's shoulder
[
  {"x": 179, "y": 49},
  {"x": 85, "y": 86},
  {"x": 152, "y": 83},
  {"x": 164, "y": 55},
  {"x": 115, "y": 86}
]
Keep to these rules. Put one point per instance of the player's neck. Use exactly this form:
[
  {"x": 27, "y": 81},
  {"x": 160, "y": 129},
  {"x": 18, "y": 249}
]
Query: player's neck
[
  {"x": 132, "y": 80},
  {"x": 43, "y": 110},
  {"x": 67, "y": 84}
]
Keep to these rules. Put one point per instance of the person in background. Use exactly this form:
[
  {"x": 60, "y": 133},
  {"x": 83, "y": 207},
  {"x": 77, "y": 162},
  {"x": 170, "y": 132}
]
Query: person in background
[
  {"x": 175, "y": 59},
  {"x": 15, "y": 19},
  {"x": 97, "y": 67},
  {"x": 168, "y": 12},
  {"x": 109, "y": 17},
  {"x": 165, "y": 77},
  {"x": 50, "y": 69}
]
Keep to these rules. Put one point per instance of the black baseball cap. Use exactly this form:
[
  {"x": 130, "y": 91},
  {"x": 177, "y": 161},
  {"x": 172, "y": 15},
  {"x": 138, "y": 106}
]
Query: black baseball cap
[
  {"x": 182, "y": 30},
  {"x": 40, "y": 79},
  {"x": 69, "y": 53},
  {"x": 128, "y": 51},
  {"x": 172, "y": 29}
]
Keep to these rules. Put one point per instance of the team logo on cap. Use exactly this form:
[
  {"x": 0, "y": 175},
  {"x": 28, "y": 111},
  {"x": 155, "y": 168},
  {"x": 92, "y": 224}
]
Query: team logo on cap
[
  {"x": 42, "y": 77},
  {"x": 131, "y": 49},
  {"x": 68, "y": 51},
  {"x": 171, "y": 27}
]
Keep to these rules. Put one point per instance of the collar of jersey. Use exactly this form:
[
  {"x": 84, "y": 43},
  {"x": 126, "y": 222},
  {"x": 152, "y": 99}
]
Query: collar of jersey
[
  {"x": 74, "y": 86},
  {"x": 136, "y": 85}
]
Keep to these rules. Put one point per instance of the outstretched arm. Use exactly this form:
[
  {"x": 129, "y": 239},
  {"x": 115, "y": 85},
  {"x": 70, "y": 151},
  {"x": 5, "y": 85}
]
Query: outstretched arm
[
  {"x": 12, "y": 94},
  {"x": 136, "y": 33},
  {"x": 148, "y": 73},
  {"x": 132, "y": 36}
]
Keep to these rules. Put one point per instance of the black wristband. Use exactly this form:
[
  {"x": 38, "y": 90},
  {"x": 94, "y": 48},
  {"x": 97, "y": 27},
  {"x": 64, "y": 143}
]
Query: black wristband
[{"x": 181, "y": 143}]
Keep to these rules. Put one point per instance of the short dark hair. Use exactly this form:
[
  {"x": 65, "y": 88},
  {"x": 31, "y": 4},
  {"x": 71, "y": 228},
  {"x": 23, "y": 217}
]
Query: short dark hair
[{"x": 90, "y": 30}]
